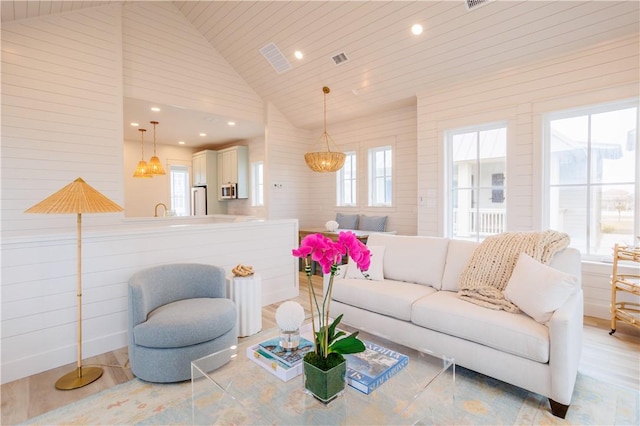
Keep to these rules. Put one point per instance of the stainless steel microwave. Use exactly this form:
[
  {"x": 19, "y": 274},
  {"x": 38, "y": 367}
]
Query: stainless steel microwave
[{"x": 228, "y": 191}]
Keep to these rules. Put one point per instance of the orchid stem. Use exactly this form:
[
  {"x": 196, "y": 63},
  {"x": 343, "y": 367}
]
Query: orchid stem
[{"x": 312, "y": 298}]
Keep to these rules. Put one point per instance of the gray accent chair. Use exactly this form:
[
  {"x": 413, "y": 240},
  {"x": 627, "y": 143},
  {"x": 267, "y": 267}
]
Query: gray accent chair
[{"x": 178, "y": 313}]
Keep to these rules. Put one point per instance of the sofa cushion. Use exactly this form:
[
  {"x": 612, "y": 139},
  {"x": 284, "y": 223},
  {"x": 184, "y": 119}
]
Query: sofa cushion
[
  {"x": 375, "y": 271},
  {"x": 569, "y": 261},
  {"x": 186, "y": 322},
  {"x": 537, "y": 289},
  {"x": 412, "y": 259},
  {"x": 517, "y": 334},
  {"x": 372, "y": 223},
  {"x": 458, "y": 255},
  {"x": 347, "y": 221},
  {"x": 390, "y": 298}
]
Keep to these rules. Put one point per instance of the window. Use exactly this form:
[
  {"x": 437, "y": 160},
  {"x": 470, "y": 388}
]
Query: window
[
  {"x": 180, "y": 201},
  {"x": 346, "y": 181},
  {"x": 476, "y": 180},
  {"x": 591, "y": 163},
  {"x": 380, "y": 178},
  {"x": 257, "y": 187}
]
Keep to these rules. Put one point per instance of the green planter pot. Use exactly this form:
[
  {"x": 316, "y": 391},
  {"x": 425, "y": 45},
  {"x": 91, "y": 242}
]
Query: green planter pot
[{"x": 325, "y": 385}]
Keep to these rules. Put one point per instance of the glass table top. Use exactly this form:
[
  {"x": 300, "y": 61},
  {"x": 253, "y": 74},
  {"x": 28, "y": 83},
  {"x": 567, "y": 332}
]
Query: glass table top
[{"x": 228, "y": 387}]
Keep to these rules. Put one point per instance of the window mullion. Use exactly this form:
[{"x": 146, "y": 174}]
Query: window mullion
[
  {"x": 476, "y": 186},
  {"x": 588, "y": 206}
]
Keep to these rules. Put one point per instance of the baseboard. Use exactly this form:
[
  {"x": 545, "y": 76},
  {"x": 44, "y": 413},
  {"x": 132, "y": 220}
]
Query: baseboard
[
  {"x": 597, "y": 310},
  {"x": 40, "y": 362}
]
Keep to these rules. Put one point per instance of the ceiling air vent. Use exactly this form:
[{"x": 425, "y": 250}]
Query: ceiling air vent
[
  {"x": 275, "y": 58},
  {"x": 340, "y": 58},
  {"x": 474, "y": 4}
]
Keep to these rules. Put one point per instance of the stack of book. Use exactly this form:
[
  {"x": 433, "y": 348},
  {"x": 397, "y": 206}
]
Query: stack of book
[
  {"x": 367, "y": 370},
  {"x": 274, "y": 358}
]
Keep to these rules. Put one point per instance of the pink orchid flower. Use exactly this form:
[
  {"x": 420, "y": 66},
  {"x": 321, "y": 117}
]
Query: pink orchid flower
[
  {"x": 322, "y": 250},
  {"x": 329, "y": 254},
  {"x": 357, "y": 251}
]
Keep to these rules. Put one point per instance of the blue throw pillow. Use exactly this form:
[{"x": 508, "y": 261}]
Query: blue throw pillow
[
  {"x": 373, "y": 223},
  {"x": 347, "y": 221}
]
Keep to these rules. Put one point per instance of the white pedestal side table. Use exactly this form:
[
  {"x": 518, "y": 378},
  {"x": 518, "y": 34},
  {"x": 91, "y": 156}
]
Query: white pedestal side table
[{"x": 247, "y": 293}]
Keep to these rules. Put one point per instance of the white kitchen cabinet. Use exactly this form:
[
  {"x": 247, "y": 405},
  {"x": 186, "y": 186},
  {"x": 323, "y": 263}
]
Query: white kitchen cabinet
[
  {"x": 233, "y": 167},
  {"x": 227, "y": 168},
  {"x": 204, "y": 169},
  {"x": 200, "y": 168}
]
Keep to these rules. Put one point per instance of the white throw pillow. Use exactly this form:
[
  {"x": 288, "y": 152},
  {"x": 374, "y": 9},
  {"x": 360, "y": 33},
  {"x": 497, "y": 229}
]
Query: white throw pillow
[
  {"x": 537, "y": 289},
  {"x": 375, "y": 271}
]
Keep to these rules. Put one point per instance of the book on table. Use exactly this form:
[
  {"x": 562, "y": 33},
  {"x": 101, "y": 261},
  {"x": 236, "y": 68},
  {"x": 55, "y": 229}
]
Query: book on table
[
  {"x": 267, "y": 356},
  {"x": 290, "y": 358},
  {"x": 279, "y": 369},
  {"x": 369, "y": 369}
]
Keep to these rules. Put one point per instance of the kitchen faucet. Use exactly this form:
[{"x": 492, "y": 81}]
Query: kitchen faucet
[{"x": 155, "y": 210}]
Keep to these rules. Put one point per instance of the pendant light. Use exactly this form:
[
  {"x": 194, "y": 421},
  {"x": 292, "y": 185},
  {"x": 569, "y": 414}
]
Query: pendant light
[
  {"x": 327, "y": 160},
  {"x": 142, "y": 171},
  {"x": 155, "y": 166}
]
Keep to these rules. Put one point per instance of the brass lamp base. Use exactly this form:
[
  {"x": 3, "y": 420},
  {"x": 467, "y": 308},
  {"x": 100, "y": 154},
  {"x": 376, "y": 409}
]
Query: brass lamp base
[{"x": 79, "y": 378}]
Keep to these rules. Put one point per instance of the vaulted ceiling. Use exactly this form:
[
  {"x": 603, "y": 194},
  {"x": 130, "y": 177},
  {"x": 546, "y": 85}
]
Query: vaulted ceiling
[{"x": 387, "y": 65}]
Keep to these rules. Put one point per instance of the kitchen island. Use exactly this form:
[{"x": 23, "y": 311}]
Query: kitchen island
[
  {"x": 188, "y": 220},
  {"x": 38, "y": 278}
]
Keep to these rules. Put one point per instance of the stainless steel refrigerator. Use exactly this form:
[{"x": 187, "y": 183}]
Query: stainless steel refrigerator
[{"x": 199, "y": 201}]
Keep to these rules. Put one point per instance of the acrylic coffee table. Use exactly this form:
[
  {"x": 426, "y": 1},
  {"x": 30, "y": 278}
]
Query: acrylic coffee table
[{"x": 230, "y": 388}]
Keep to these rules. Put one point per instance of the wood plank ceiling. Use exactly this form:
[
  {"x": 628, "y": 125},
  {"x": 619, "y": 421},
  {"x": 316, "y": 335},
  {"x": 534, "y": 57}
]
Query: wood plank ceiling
[{"x": 387, "y": 64}]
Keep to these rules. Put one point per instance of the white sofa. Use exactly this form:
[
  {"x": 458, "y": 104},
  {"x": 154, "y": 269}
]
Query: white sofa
[{"x": 416, "y": 304}]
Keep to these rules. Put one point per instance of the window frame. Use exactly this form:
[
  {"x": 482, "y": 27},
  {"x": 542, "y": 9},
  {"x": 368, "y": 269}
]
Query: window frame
[
  {"x": 257, "y": 184},
  {"x": 388, "y": 174},
  {"x": 448, "y": 135},
  {"x": 187, "y": 187},
  {"x": 353, "y": 179},
  {"x": 546, "y": 186}
]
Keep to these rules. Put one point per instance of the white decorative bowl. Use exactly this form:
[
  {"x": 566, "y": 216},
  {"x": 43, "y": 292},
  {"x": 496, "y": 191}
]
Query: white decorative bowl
[{"x": 332, "y": 226}]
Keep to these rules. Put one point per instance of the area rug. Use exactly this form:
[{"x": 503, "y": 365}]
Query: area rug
[{"x": 480, "y": 400}]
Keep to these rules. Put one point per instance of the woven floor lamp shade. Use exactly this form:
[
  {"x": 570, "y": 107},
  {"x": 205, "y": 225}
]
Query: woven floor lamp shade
[{"x": 77, "y": 197}]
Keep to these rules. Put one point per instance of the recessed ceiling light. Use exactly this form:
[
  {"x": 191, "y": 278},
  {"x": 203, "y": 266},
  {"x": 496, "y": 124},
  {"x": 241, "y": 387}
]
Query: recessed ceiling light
[
  {"x": 156, "y": 109},
  {"x": 298, "y": 54},
  {"x": 203, "y": 134},
  {"x": 231, "y": 123},
  {"x": 416, "y": 29},
  {"x": 180, "y": 142},
  {"x": 135, "y": 124}
]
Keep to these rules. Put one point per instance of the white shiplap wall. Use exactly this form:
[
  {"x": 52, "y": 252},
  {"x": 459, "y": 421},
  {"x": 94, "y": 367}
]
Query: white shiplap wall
[
  {"x": 62, "y": 90},
  {"x": 38, "y": 282},
  {"x": 61, "y": 113},
  {"x": 61, "y": 118},
  {"x": 167, "y": 61},
  {"x": 285, "y": 146},
  {"x": 397, "y": 128},
  {"x": 605, "y": 72}
]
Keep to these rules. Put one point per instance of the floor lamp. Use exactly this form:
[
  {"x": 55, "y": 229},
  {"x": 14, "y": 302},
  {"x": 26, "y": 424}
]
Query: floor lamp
[{"x": 78, "y": 197}]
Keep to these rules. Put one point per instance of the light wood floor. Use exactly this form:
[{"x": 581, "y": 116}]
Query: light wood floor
[{"x": 613, "y": 359}]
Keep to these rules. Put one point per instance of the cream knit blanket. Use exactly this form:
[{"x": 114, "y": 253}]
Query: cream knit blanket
[{"x": 490, "y": 267}]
